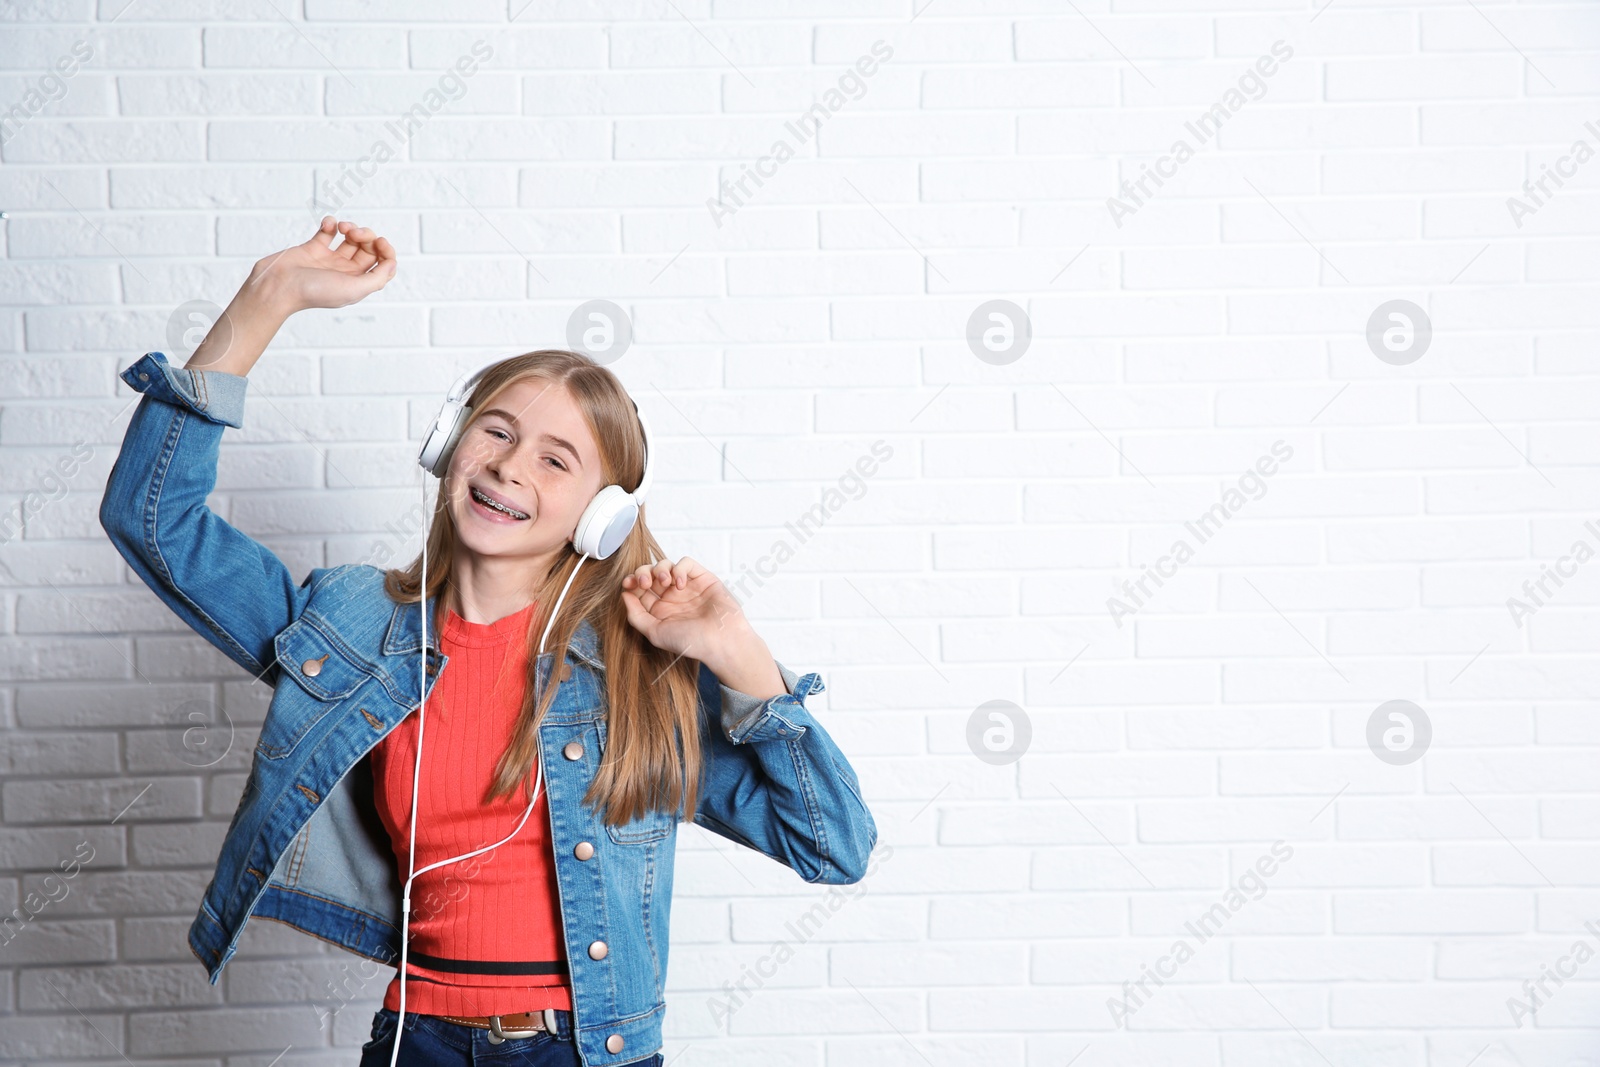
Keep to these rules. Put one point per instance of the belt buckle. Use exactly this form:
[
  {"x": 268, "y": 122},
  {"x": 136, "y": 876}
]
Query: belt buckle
[{"x": 497, "y": 1035}]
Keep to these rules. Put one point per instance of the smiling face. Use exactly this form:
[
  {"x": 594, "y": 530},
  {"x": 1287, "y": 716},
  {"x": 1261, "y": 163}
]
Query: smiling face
[{"x": 530, "y": 450}]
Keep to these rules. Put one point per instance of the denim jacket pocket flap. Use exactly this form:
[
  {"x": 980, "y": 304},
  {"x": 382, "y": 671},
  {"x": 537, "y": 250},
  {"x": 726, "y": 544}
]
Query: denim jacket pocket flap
[
  {"x": 314, "y": 661},
  {"x": 324, "y": 675},
  {"x": 653, "y": 825}
]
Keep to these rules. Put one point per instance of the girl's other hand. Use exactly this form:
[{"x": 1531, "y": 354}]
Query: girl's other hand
[
  {"x": 314, "y": 274},
  {"x": 682, "y": 607}
]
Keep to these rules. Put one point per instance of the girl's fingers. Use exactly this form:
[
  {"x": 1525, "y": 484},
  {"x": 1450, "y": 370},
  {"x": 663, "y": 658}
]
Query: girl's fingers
[
  {"x": 362, "y": 246},
  {"x": 663, "y": 575},
  {"x": 377, "y": 278},
  {"x": 642, "y": 590},
  {"x": 690, "y": 569},
  {"x": 343, "y": 251},
  {"x": 353, "y": 236},
  {"x": 382, "y": 258},
  {"x": 374, "y": 251},
  {"x": 383, "y": 249},
  {"x": 327, "y": 233}
]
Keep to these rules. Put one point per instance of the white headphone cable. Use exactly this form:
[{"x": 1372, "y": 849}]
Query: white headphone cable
[{"x": 416, "y": 778}]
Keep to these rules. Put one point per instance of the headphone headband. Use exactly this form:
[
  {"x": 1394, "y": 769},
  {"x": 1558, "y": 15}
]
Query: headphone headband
[{"x": 610, "y": 515}]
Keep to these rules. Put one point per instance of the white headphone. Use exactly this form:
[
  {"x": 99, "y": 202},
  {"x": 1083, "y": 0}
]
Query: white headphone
[
  {"x": 605, "y": 522},
  {"x": 602, "y": 528}
]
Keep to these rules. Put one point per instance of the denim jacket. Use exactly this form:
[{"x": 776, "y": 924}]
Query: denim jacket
[{"x": 305, "y": 845}]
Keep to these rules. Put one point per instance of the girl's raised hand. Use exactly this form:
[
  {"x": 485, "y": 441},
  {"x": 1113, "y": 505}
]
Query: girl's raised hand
[
  {"x": 683, "y": 608},
  {"x": 314, "y": 274}
]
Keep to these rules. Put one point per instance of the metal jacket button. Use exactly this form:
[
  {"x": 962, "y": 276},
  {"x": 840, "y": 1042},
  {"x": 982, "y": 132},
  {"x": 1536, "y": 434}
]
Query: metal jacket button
[
  {"x": 597, "y": 951},
  {"x": 565, "y": 672},
  {"x": 584, "y": 850},
  {"x": 614, "y": 1043},
  {"x": 572, "y": 750},
  {"x": 313, "y": 667}
]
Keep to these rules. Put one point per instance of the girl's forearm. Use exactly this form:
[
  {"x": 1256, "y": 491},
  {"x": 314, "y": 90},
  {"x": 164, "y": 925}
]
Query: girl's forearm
[
  {"x": 309, "y": 274},
  {"x": 745, "y": 665},
  {"x": 237, "y": 339}
]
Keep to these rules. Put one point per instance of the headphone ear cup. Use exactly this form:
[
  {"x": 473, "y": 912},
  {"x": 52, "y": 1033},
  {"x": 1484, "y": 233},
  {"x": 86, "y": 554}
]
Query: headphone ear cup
[
  {"x": 606, "y": 522},
  {"x": 435, "y": 455}
]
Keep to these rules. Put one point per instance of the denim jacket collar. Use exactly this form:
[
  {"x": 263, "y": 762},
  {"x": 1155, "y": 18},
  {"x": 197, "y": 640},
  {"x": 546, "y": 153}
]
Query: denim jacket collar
[{"x": 405, "y": 635}]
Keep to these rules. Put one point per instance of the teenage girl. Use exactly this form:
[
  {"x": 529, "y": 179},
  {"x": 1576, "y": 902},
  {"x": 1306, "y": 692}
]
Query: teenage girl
[{"x": 487, "y": 969}]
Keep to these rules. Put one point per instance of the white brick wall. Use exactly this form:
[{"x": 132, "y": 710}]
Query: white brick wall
[{"x": 1226, "y": 309}]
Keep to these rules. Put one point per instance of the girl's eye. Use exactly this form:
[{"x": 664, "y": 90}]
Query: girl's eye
[{"x": 507, "y": 437}]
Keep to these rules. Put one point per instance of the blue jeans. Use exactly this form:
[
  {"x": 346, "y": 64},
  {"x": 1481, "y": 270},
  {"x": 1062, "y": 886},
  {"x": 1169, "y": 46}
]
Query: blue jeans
[{"x": 430, "y": 1041}]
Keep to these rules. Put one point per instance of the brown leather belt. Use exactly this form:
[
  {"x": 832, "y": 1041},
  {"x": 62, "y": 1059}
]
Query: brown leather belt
[{"x": 516, "y": 1024}]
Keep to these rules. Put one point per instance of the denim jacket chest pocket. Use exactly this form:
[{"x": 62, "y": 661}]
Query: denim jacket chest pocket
[
  {"x": 323, "y": 677},
  {"x": 650, "y": 827}
]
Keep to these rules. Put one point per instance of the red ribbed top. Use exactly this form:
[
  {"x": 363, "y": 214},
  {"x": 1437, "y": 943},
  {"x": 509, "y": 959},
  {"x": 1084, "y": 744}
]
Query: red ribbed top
[{"x": 485, "y": 931}]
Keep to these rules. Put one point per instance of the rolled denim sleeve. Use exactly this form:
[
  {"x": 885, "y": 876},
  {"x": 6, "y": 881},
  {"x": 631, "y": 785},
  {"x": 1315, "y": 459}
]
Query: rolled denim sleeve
[
  {"x": 746, "y": 718},
  {"x": 225, "y": 585},
  {"x": 212, "y": 394},
  {"x": 776, "y": 782}
]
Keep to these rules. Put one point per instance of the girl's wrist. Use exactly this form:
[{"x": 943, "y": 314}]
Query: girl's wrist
[
  {"x": 744, "y": 664},
  {"x": 241, "y": 334},
  {"x": 263, "y": 294}
]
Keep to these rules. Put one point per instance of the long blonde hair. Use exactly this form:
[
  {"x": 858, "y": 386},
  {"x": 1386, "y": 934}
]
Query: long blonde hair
[{"x": 652, "y": 758}]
